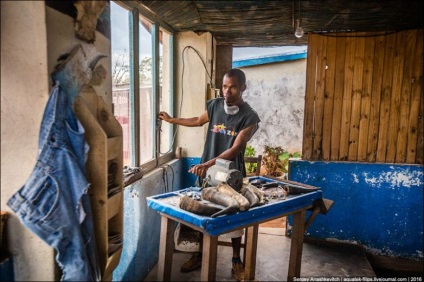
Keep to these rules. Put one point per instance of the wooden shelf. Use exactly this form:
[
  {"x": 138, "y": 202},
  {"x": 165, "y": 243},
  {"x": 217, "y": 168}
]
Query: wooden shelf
[
  {"x": 112, "y": 262},
  {"x": 104, "y": 136},
  {"x": 113, "y": 145},
  {"x": 114, "y": 205}
]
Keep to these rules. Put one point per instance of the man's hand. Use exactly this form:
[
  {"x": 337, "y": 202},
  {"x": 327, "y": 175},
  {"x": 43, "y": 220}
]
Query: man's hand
[
  {"x": 164, "y": 116},
  {"x": 200, "y": 169},
  {"x": 191, "y": 122}
]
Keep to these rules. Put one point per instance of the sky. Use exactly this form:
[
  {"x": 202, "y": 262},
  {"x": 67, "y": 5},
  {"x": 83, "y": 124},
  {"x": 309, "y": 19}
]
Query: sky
[
  {"x": 119, "y": 25},
  {"x": 120, "y": 40}
]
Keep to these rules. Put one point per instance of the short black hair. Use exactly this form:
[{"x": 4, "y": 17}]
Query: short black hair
[{"x": 237, "y": 73}]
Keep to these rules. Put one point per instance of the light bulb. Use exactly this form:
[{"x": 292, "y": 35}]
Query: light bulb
[{"x": 299, "y": 30}]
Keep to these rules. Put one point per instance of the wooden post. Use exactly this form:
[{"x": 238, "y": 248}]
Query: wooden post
[
  {"x": 209, "y": 257},
  {"x": 224, "y": 55},
  {"x": 296, "y": 247},
  {"x": 166, "y": 249},
  {"x": 251, "y": 250}
]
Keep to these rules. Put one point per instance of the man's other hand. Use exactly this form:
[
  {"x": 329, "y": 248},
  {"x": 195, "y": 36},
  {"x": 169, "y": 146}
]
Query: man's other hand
[{"x": 199, "y": 170}]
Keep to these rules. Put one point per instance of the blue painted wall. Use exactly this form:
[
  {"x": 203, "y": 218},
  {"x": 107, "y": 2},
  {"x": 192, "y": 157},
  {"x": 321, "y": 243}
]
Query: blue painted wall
[
  {"x": 379, "y": 206},
  {"x": 188, "y": 179},
  {"x": 6, "y": 269},
  {"x": 142, "y": 225}
]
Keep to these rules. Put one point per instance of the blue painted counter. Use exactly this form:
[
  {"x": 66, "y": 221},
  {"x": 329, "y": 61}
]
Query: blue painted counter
[
  {"x": 223, "y": 224},
  {"x": 379, "y": 206}
]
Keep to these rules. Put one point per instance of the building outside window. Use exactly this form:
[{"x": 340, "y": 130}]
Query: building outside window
[{"x": 142, "y": 85}]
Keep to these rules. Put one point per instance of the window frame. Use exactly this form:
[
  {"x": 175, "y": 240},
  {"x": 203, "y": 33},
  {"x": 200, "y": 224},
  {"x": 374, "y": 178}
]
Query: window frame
[{"x": 135, "y": 11}]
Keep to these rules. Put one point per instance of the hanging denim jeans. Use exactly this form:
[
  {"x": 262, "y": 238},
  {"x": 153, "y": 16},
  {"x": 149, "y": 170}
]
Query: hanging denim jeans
[{"x": 54, "y": 203}]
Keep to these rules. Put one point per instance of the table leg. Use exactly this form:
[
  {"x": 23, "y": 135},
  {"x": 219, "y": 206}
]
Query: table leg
[
  {"x": 166, "y": 249},
  {"x": 209, "y": 257},
  {"x": 251, "y": 250},
  {"x": 296, "y": 247}
]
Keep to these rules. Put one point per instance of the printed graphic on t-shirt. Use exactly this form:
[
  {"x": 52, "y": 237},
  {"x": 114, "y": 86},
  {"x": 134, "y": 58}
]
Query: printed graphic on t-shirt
[{"x": 221, "y": 128}]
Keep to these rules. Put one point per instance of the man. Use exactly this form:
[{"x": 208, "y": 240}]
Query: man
[{"x": 232, "y": 122}]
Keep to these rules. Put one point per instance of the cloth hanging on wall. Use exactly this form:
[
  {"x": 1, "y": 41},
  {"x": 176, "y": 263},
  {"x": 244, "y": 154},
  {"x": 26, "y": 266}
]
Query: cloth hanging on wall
[{"x": 54, "y": 203}]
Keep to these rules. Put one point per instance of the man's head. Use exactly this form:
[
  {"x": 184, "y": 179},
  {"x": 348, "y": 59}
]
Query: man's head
[{"x": 233, "y": 85}]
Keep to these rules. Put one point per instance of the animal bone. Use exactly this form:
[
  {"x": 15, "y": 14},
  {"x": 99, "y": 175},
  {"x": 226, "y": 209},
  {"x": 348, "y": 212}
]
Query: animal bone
[
  {"x": 191, "y": 205},
  {"x": 253, "y": 195},
  {"x": 227, "y": 190},
  {"x": 88, "y": 13},
  {"x": 212, "y": 195}
]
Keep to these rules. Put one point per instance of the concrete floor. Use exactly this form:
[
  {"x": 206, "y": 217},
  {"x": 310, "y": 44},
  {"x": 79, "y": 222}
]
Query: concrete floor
[{"x": 272, "y": 260}]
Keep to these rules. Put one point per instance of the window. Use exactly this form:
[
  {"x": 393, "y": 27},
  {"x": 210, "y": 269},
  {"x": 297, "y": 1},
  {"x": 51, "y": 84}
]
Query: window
[
  {"x": 165, "y": 93},
  {"x": 142, "y": 85},
  {"x": 146, "y": 130}
]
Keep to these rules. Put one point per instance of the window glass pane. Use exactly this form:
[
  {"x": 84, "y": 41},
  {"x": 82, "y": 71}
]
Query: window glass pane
[
  {"x": 120, "y": 74},
  {"x": 165, "y": 89},
  {"x": 121, "y": 77},
  {"x": 146, "y": 102}
]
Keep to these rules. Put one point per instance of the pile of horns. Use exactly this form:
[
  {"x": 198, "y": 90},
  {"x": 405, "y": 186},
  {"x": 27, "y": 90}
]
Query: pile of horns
[{"x": 224, "y": 195}]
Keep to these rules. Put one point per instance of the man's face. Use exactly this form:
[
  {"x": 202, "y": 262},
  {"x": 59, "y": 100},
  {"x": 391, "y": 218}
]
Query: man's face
[{"x": 232, "y": 90}]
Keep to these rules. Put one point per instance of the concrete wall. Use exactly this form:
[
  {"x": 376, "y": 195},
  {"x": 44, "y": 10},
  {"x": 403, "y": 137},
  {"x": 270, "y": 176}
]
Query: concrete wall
[
  {"x": 379, "y": 206},
  {"x": 24, "y": 92},
  {"x": 191, "y": 87},
  {"x": 276, "y": 91},
  {"x": 61, "y": 39}
]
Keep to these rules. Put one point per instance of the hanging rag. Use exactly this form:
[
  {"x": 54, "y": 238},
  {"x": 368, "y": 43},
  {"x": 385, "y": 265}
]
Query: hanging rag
[{"x": 54, "y": 203}]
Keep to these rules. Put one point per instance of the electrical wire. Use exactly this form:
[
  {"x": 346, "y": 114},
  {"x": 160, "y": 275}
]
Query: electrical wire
[
  {"x": 159, "y": 129},
  {"x": 165, "y": 178},
  {"x": 212, "y": 61},
  {"x": 204, "y": 64}
]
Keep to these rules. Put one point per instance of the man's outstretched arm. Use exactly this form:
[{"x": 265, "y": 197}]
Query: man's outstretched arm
[{"x": 190, "y": 122}]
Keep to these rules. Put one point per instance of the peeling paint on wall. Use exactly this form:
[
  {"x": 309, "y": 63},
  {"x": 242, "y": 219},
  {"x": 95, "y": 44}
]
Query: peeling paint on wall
[
  {"x": 379, "y": 206},
  {"x": 397, "y": 178},
  {"x": 276, "y": 92}
]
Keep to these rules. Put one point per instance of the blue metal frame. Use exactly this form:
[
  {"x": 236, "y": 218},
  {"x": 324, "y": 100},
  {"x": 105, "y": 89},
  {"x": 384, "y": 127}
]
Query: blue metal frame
[
  {"x": 155, "y": 87},
  {"x": 134, "y": 86}
]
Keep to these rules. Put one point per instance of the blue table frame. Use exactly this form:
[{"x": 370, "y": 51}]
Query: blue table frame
[{"x": 213, "y": 227}]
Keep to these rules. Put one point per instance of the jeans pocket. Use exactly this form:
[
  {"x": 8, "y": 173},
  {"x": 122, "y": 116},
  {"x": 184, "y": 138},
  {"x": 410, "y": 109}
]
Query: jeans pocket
[{"x": 46, "y": 199}]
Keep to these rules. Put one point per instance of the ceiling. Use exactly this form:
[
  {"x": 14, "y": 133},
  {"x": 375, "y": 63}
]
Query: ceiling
[{"x": 271, "y": 23}]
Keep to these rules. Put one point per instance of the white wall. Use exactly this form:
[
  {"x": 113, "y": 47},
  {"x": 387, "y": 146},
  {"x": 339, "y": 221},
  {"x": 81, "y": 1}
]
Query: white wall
[
  {"x": 24, "y": 92},
  {"x": 276, "y": 91},
  {"x": 193, "y": 89}
]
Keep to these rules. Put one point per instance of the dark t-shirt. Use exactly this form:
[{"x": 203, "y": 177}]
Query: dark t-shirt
[{"x": 224, "y": 128}]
